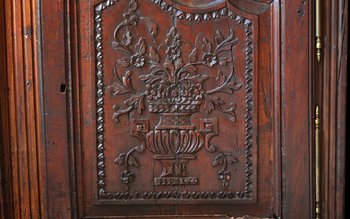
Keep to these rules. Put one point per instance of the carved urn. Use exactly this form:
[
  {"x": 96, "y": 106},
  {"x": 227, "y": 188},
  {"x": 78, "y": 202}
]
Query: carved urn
[{"x": 174, "y": 140}]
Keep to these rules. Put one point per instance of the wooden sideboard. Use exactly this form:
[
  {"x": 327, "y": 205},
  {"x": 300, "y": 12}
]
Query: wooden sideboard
[{"x": 173, "y": 108}]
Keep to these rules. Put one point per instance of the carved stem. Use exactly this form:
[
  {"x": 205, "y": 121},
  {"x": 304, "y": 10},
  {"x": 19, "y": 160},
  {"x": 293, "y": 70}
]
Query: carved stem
[
  {"x": 224, "y": 157},
  {"x": 220, "y": 87},
  {"x": 186, "y": 66},
  {"x": 228, "y": 40},
  {"x": 127, "y": 157},
  {"x": 116, "y": 31}
]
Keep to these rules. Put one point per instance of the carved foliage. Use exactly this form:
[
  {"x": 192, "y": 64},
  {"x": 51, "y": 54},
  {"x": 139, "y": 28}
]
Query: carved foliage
[{"x": 173, "y": 86}]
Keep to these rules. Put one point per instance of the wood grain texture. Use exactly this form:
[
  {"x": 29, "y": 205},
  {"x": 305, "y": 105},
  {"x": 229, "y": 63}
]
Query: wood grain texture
[
  {"x": 22, "y": 110},
  {"x": 49, "y": 159},
  {"x": 296, "y": 149},
  {"x": 333, "y": 101},
  {"x": 84, "y": 78},
  {"x": 55, "y": 70},
  {"x": 5, "y": 149},
  {"x": 217, "y": 216}
]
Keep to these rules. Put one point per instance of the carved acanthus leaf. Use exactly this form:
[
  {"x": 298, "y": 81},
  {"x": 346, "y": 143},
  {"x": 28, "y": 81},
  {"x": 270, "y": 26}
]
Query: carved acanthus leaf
[
  {"x": 137, "y": 101},
  {"x": 122, "y": 87}
]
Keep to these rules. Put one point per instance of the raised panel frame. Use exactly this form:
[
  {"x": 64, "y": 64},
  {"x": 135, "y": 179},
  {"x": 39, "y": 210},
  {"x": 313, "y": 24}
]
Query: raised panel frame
[{"x": 95, "y": 205}]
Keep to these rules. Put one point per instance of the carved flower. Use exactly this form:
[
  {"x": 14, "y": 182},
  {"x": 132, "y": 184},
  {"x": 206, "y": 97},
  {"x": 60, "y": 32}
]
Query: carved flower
[
  {"x": 126, "y": 177},
  {"x": 210, "y": 59},
  {"x": 131, "y": 18},
  {"x": 137, "y": 60},
  {"x": 173, "y": 44},
  {"x": 224, "y": 175}
]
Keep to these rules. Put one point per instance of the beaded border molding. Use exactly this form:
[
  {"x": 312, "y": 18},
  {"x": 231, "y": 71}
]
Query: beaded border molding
[{"x": 174, "y": 195}]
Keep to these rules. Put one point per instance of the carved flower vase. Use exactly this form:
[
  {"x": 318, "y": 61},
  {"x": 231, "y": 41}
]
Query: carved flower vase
[
  {"x": 174, "y": 91},
  {"x": 174, "y": 141}
]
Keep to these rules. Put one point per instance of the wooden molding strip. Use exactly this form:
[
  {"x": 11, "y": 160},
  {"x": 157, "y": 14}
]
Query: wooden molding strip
[
  {"x": 23, "y": 120},
  {"x": 333, "y": 99}
]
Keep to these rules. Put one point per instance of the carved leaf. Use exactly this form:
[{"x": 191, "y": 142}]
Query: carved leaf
[
  {"x": 208, "y": 105},
  {"x": 148, "y": 79},
  {"x": 228, "y": 43},
  {"x": 132, "y": 100},
  {"x": 224, "y": 60},
  {"x": 121, "y": 87},
  {"x": 151, "y": 26},
  {"x": 217, "y": 101},
  {"x": 125, "y": 61},
  {"x": 127, "y": 38},
  {"x": 115, "y": 45},
  {"x": 118, "y": 89},
  {"x": 152, "y": 55},
  {"x": 198, "y": 78},
  {"x": 206, "y": 45},
  {"x": 132, "y": 5},
  {"x": 127, "y": 80},
  {"x": 218, "y": 160},
  {"x": 193, "y": 55},
  {"x": 141, "y": 104},
  {"x": 152, "y": 77},
  {"x": 230, "y": 87},
  {"x": 211, "y": 102},
  {"x": 192, "y": 70},
  {"x": 120, "y": 160},
  {"x": 136, "y": 101},
  {"x": 221, "y": 78},
  {"x": 168, "y": 64},
  {"x": 132, "y": 161},
  {"x": 218, "y": 37},
  {"x": 225, "y": 185},
  {"x": 118, "y": 112},
  {"x": 178, "y": 63},
  {"x": 230, "y": 110},
  {"x": 231, "y": 159},
  {"x": 140, "y": 47}
]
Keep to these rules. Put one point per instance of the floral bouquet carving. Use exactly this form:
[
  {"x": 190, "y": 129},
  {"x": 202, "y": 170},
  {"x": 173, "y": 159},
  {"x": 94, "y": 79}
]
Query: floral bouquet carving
[{"x": 175, "y": 90}]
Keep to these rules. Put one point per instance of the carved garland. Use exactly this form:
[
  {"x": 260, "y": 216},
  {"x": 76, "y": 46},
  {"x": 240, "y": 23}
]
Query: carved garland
[{"x": 137, "y": 59}]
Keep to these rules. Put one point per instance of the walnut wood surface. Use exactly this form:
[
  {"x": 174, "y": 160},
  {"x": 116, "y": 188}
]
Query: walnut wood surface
[
  {"x": 118, "y": 95},
  {"x": 160, "y": 108},
  {"x": 332, "y": 75}
]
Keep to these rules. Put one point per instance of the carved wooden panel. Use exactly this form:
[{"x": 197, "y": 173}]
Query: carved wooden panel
[
  {"x": 167, "y": 108},
  {"x": 171, "y": 107},
  {"x": 151, "y": 74}
]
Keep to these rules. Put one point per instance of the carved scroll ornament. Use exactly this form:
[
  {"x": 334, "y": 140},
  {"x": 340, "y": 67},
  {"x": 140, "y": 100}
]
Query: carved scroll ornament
[{"x": 174, "y": 91}]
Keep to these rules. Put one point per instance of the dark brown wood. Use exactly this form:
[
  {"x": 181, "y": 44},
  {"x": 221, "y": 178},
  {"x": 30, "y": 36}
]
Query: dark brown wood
[
  {"x": 333, "y": 101},
  {"x": 296, "y": 124},
  {"x": 55, "y": 68},
  {"x": 96, "y": 93},
  {"x": 5, "y": 167},
  {"x": 107, "y": 179}
]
